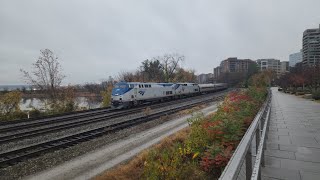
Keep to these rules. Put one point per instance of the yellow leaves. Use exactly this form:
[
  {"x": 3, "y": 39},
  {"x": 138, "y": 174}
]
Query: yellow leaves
[
  {"x": 195, "y": 155},
  {"x": 106, "y": 95},
  {"x": 9, "y": 102},
  {"x": 185, "y": 150}
]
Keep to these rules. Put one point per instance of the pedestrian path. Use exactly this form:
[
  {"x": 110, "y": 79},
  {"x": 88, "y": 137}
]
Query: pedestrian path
[{"x": 293, "y": 143}]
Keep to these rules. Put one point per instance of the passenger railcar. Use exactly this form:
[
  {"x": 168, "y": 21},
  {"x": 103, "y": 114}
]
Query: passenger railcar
[
  {"x": 186, "y": 89},
  {"x": 208, "y": 88}
]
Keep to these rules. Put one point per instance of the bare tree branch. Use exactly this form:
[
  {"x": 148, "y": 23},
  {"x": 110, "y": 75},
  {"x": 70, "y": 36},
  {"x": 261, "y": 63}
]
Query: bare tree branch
[{"x": 46, "y": 74}]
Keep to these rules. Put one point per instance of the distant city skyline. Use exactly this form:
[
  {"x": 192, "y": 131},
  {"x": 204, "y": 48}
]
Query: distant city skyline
[{"x": 97, "y": 39}]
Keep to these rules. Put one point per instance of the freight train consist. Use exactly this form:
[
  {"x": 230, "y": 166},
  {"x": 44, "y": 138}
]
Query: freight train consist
[{"x": 129, "y": 94}]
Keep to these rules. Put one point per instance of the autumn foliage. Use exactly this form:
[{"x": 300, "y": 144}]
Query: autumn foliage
[
  {"x": 211, "y": 142},
  {"x": 205, "y": 150},
  {"x": 301, "y": 79}
]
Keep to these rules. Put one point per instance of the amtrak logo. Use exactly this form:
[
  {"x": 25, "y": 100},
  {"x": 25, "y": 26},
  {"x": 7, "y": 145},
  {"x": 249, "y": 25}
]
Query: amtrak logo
[{"x": 141, "y": 92}]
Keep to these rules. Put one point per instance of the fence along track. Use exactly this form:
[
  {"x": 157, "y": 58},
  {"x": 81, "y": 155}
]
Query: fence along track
[
  {"x": 250, "y": 149},
  {"x": 22, "y": 154}
]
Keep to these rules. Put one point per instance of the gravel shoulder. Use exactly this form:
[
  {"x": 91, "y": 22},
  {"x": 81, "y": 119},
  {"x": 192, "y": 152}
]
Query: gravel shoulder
[{"x": 107, "y": 156}]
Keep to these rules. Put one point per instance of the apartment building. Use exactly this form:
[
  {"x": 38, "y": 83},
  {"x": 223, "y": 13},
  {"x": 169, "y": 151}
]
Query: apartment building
[
  {"x": 232, "y": 65},
  {"x": 270, "y": 64},
  {"x": 295, "y": 58},
  {"x": 311, "y": 47}
]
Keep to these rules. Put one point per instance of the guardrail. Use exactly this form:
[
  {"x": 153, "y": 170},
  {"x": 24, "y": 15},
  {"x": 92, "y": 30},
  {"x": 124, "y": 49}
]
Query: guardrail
[{"x": 250, "y": 149}]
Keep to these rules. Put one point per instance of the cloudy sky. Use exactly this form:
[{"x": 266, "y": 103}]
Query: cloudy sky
[{"x": 96, "y": 39}]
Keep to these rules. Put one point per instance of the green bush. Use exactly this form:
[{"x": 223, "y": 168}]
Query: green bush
[{"x": 13, "y": 116}]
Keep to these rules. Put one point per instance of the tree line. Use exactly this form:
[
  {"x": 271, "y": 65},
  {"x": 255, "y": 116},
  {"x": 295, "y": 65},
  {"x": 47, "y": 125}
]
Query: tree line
[
  {"x": 304, "y": 79},
  {"x": 166, "y": 68},
  {"x": 47, "y": 76}
]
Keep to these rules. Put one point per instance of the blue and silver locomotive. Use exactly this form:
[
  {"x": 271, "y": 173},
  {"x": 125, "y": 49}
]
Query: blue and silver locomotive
[{"x": 129, "y": 94}]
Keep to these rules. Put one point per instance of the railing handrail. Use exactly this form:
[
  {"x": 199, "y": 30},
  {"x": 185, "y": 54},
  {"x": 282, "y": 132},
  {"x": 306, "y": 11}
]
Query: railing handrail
[
  {"x": 256, "y": 173},
  {"x": 234, "y": 165}
]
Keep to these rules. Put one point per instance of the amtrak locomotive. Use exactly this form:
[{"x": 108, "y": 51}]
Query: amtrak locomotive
[{"x": 129, "y": 94}]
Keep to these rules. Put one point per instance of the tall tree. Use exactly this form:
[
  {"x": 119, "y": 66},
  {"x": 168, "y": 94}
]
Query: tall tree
[
  {"x": 152, "y": 70},
  {"x": 46, "y": 74},
  {"x": 183, "y": 75},
  {"x": 170, "y": 64}
]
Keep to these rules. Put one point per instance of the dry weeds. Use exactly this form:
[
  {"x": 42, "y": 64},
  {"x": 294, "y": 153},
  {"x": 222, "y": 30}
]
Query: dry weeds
[
  {"x": 134, "y": 168},
  {"x": 147, "y": 111}
]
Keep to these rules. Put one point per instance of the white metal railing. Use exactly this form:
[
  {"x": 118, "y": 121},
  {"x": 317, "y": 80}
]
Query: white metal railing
[{"x": 250, "y": 149}]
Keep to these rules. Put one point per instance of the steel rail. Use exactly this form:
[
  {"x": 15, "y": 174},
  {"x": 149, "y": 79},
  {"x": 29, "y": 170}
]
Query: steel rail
[
  {"x": 41, "y": 131},
  {"x": 75, "y": 113},
  {"x": 46, "y": 121}
]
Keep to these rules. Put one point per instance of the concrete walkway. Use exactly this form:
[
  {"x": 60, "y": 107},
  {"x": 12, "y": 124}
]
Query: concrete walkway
[{"x": 293, "y": 144}]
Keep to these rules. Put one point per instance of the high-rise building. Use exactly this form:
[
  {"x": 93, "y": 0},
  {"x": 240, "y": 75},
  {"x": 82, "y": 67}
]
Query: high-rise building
[
  {"x": 284, "y": 67},
  {"x": 202, "y": 78},
  {"x": 270, "y": 64},
  {"x": 205, "y": 78},
  {"x": 216, "y": 72},
  {"x": 232, "y": 65},
  {"x": 311, "y": 47},
  {"x": 233, "y": 70},
  {"x": 295, "y": 58}
]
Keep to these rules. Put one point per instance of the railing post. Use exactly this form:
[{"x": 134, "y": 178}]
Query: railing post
[
  {"x": 249, "y": 162},
  {"x": 258, "y": 137},
  {"x": 262, "y": 157}
]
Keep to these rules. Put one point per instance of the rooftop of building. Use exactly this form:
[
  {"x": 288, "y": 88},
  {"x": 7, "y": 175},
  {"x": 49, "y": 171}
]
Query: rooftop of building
[{"x": 307, "y": 31}]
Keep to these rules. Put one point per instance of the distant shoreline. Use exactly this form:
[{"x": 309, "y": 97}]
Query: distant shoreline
[
  {"x": 14, "y": 87},
  {"x": 77, "y": 94}
]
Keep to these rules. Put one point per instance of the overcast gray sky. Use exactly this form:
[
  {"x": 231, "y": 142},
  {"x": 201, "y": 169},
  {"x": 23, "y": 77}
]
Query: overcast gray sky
[{"x": 95, "y": 39}]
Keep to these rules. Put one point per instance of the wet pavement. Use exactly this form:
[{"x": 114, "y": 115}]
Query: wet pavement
[{"x": 293, "y": 144}]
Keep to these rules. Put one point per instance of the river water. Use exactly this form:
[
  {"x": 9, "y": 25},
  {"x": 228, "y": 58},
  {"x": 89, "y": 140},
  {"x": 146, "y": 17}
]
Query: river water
[{"x": 28, "y": 103}]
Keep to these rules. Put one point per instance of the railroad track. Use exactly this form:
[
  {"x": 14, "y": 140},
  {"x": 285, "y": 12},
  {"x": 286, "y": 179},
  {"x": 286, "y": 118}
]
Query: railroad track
[
  {"x": 26, "y": 123},
  {"x": 56, "y": 116},
  {"x": 21, "y": 154},
  {"x": 11, "y": 133}
]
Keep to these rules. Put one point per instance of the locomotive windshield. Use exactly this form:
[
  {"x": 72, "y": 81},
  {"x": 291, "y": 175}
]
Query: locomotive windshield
[
  {"x": 120, "y": 86},
  {"x": 120, "y": 89}
]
